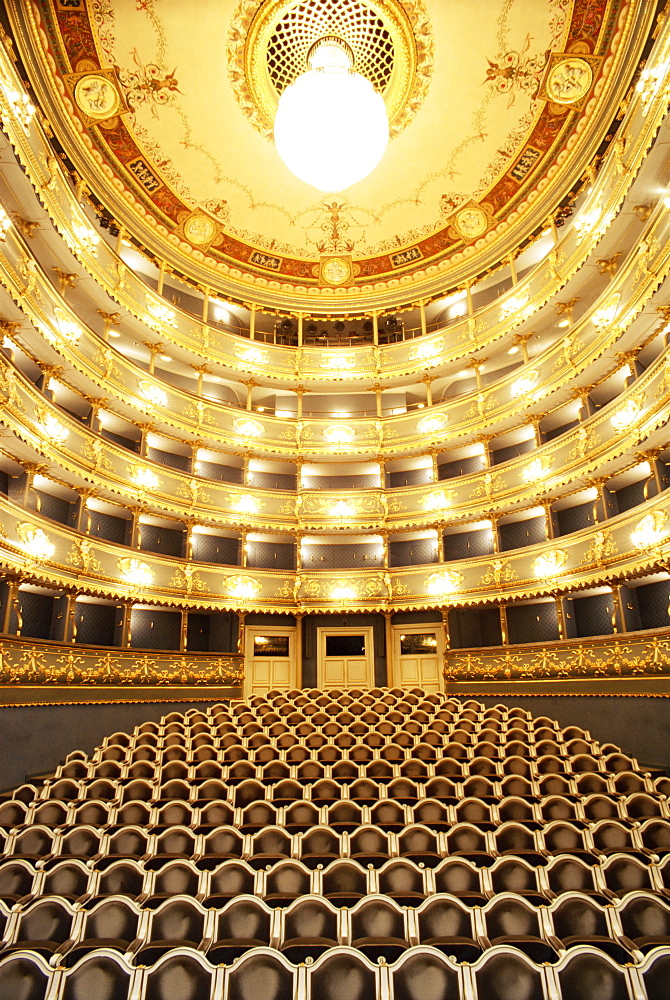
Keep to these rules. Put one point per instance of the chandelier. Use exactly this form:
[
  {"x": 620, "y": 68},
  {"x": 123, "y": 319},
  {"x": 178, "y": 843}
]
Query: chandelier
[{"x": 331, "y": 128}]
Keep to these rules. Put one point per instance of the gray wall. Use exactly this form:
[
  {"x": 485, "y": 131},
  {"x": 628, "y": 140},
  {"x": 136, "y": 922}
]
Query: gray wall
[
  {"x": 35, "y": 739},
  {"x": 639, "y": 725}
]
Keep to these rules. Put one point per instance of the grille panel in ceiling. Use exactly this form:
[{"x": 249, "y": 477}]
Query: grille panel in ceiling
[{"x": 354, "y": 22}]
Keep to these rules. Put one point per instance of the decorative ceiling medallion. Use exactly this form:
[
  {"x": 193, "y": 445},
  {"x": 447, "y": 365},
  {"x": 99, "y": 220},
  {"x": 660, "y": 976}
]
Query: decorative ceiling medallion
[
  {"x": 392, "y": 42},
  {"x": 471, "y": 221},
  {"x": 568, "y": 80},
  {"x": 336, "y": 271},
  {"x": 98, "y": 95},
  {"x": 200, "y": 229}
]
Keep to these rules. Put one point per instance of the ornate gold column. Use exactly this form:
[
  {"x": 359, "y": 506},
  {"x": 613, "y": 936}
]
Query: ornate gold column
[
  {"x": 183, "y": 631},
  {"x": 96, "y": 403},
  {"x": 446, "y": 634},
  {"x": 388, "y": 640},
  {"x": 618, "y": 617},
  {"x": 154, "y": 349},
  {"x": 126, "y": 636},
  {"x": 560, "y": 616},
  {"x": 11, "y": 605},
  {"x": 427, "y": 380},
  {"x": 109, "y": 320},
  {"x": 504, "y": 630},
  {"x": 299, "y": 615},
  {"x": 493, "y": 518},
  {"x": 69, "y": 624},
  {"x": 521, "y": 340}
]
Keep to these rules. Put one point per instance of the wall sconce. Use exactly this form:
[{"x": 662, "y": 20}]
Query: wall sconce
[
  {"x": 339, "y": 434},
  {"x": 650, "y": 530},
  {"x": 248, "y": 427},
  {"x": 135, "y": 572},
  {"x": 550, "y": 563},
  {"x": 152, "y": 394},
  {"x": 35, "y": 542},
  {"x": 432, "y": 424},
  {"x": 441, "y": 584},
  {"x": 244, "y": 588},
  {"x": 245, "y": 504},
  {"x": 147, "y": 479},
  {"x": 524, "y": 384}
]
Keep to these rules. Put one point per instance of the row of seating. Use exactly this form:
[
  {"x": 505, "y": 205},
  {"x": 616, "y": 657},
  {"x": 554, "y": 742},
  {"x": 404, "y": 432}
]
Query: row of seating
[
  {"x": 378, "y": 927},
  {"x": 473, "y": 801},
  {"x": 342, "y": 880},
  {"x": 427, "y": 843},
  {"x": 342, "y": 973}
]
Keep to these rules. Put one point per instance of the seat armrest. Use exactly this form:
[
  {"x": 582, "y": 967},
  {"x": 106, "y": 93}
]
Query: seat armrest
[
  {"x": 134, "y": 946},
  {"x": 93, "y": 860},
  {"x": 556, "y": 944},
  {"x": 61, "y": 950},
  {"x": 81, "y": 901},
  {"x": 205, "y": 945},
  {"x": 43, "y": 861},
  {"x": 631, "y": 947},
  {"x": 484, "y": 941},
  {"x": 23, "y": 901}
]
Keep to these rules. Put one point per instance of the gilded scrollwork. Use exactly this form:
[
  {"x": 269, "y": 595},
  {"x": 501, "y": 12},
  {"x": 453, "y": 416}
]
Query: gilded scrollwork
[
  {"x": 602, "y": 548},
  {"x": 613, "y": 658},
  {"x": 499, "y": 573},
  {"x": 186, "y": 579},
  {"x": 82, "y": 557},
  {"x": 58, "y": 666}
]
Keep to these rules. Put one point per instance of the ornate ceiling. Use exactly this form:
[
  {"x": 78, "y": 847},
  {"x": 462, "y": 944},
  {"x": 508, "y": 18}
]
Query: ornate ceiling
[{"x": 166, "y": 116}]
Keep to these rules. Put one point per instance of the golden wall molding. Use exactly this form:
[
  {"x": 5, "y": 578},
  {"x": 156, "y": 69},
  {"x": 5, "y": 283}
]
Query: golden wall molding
[
  {"x": 559, "y": 467},
  {"x": 28, "y": 662},
  {"x": 628, "y": 656}
]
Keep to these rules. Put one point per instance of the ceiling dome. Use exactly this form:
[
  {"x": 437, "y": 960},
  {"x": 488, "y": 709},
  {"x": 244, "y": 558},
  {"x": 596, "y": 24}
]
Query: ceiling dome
[{"x": 174, "y": 138}]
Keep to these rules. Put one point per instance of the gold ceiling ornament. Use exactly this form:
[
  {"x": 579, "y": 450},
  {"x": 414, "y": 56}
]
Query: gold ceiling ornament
[
  {"x": 200, "y": 229},
  {"x": 268, "y": 42},
  {"x": 568, "y": 79},
  {"x": 97, "y": 95}
]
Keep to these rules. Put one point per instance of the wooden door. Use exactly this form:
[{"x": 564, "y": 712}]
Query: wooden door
[
  {"x": 417, "y": 660},
  {"x": 346, "y": 657},
  {"x": 269, "y": 659}
]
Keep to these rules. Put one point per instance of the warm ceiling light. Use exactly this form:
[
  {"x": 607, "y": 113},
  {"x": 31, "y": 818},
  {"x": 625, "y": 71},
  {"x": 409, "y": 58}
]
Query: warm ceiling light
[{"x": 331, "y": 128}]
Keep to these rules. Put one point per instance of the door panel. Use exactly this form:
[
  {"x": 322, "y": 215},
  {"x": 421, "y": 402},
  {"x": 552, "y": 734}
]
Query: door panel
[
  {"x": 346, "y": 669},
  {"x": 274, "y": 668},
  {"x": 418, "y": 656}
]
